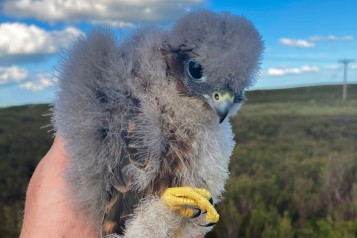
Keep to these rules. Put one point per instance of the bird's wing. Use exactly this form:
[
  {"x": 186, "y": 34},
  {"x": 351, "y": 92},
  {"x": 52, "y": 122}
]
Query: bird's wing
[
  {"x": 122, "y": 198},
  {"x": 101, "y": 122},
  {"x": 93, "y": 113}
]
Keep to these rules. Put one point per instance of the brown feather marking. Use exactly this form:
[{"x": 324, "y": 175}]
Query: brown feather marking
[
  {"x": 175, "y": 68},
  {"x": 108, "y": 227},
  {"x": 131, "y": 127},
  {"x": 109, "y": 223},
  {"x": 118, "y": 209},
  {"x": 173, "y": 163},
  {"x": 119, "y": 183},
  {"x": 121, "y": 200}
]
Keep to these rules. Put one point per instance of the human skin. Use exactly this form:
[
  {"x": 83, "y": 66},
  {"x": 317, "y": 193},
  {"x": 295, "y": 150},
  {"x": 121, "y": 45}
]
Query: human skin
[{"x": 48, "y": 210}]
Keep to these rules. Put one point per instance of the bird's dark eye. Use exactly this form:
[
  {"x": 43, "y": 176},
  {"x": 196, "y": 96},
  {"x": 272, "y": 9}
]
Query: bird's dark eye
[{"x": 195, "y": 70}]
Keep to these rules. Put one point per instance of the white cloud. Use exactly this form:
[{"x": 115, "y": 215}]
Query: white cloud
[
  {"x": 12, "y": 74},
  {"x": 22, "y": 39},
  {"x": 41, "y": 82},
  {"x": 293, "y": 70},
  {"x": 331, "y": 38},
  {"x": 127, "y": 11},
  {"x": 296, "y": 43},
  {"x": 353, "y": 67},
  {"x": 309, "y": 42},
  {"x": 26, "y": 80}
]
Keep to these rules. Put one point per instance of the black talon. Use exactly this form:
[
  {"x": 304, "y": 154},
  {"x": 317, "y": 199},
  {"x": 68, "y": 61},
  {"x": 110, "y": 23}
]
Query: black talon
[
  {"x": 196, "y": 212},
  {"x": 208, "y": 224}
]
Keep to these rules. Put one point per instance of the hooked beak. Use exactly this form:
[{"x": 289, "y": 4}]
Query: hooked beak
[{"x": 221, "y": 103}]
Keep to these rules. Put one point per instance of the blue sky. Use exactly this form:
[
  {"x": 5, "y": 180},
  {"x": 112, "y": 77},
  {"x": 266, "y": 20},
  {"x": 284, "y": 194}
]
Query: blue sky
[{"x": 304, "y": 39}]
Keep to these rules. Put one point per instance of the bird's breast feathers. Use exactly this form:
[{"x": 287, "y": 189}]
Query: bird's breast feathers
[{"x": 194, "y": 147}]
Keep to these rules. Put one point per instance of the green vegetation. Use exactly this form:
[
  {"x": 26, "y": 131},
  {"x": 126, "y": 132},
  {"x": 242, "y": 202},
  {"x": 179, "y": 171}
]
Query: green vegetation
[
  {"x": 22, "y": 145},
  {"x": 293, "y": 172}
]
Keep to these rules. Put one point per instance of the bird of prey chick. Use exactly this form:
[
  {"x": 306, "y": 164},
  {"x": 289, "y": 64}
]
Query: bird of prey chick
[{"x": 144, "y": 121}]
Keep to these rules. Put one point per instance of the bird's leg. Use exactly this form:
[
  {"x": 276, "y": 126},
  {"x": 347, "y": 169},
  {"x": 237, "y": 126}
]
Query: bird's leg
[{"x": 182, "y": 199}]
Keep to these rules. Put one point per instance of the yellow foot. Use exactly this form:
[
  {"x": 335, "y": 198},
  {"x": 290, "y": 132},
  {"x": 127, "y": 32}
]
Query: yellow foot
[{"x": 185, "y": 199}]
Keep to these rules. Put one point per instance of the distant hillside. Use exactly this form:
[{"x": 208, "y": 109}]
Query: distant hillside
[
  {"x": 293, "y": 172},
  {"x": 323, "y": 94}
]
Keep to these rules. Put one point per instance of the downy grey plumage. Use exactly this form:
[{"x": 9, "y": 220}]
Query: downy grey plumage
[{"x": 137, "y": 117}]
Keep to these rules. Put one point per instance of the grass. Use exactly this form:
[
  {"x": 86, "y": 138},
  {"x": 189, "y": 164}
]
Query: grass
[
  {"x": 22, "y": 144},
  {"x": 294, "y": 170}
]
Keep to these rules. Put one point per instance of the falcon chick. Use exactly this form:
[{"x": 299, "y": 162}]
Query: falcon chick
[{"x": 144, "y": 122}]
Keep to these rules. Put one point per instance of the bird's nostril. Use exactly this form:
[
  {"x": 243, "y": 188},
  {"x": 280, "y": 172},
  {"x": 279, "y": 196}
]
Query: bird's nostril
[{"x": 216, "y": 96}]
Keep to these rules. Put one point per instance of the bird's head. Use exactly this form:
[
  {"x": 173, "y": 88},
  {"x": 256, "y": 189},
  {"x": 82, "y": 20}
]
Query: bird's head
[{"x": 214, "y": 57}]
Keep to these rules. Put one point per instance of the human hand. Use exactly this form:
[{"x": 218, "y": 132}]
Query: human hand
[{"x": 48, "y": 211}]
